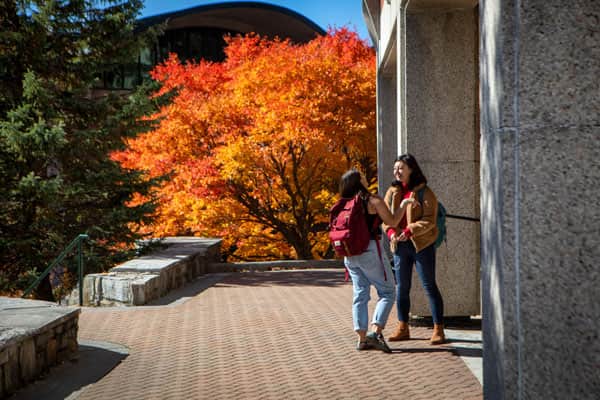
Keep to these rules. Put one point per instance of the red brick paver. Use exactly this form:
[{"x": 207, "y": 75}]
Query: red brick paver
[{"x": 267, "y": 335}]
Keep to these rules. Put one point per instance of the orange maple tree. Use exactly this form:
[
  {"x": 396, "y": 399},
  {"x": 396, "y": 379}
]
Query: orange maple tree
[{"x": 254, "y": 146}]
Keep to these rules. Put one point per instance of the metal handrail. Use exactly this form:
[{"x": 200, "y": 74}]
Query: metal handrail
[{"x": 76, "y": 242}]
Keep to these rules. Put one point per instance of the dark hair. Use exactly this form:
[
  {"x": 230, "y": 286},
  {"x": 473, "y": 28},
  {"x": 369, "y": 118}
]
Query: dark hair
[
  {"x": 416, "y": 176},
  {"x": 350, "y": 184}
]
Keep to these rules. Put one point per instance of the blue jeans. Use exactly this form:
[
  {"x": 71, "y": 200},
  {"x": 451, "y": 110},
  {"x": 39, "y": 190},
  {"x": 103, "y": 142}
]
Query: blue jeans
[
  {"x": 365, "y": 270},
  {"x": 405, "y": 257}
]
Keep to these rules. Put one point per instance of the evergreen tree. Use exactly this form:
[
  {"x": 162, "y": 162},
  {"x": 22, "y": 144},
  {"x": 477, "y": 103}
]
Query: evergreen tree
[{"x": 57, "y": 179}]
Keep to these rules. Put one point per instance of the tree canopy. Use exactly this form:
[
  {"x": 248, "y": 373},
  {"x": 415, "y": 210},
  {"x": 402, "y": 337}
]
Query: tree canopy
[
  {"x": 255, "y": 145},
  {"x": 56, "y": 133}
]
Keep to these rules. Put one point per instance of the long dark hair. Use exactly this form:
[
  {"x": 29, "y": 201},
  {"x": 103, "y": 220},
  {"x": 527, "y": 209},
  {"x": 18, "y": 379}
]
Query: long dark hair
[
  {"x": 350, "y": 184},
  {"x": 416, "y": 176}
]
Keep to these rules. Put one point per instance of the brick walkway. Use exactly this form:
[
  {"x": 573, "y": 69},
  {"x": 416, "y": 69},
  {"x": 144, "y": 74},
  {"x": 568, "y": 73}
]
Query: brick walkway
[{"x": 267, "y": 335}]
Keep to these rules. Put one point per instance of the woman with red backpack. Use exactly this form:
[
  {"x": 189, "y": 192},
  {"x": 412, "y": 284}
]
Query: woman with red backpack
[
  {"x": 371, "y": 266},
  {"x": 413, "y": 243}
]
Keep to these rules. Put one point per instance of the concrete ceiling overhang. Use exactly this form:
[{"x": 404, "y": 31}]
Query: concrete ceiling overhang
[
  {"x": 371, "y": 10},
  {"x": 244, "y": 17}
]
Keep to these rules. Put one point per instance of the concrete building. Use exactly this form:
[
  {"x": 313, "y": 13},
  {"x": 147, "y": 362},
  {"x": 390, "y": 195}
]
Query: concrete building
[
  {"x": 427, "y": 102},
  {"x": 197, "y": 33},
  {"x": 500, "y": 103}
]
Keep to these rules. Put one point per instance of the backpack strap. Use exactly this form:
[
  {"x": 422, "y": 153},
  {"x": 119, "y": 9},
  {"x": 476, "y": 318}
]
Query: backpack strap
[
  {"x": 376, "y": 222},
  {"x": 381, "y": 258},
  {"x": 421, "y": 194}
]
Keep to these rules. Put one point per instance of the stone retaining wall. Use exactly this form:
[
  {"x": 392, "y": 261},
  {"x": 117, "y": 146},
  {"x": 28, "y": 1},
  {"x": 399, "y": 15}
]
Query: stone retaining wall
[
  {"x": 141, "y": 280},
  {"x": 34, "y": 336},
  {"x": 144, "y": 279}
]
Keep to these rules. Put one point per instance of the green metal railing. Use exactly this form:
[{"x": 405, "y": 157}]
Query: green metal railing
[{"x": 75, "y": 243}]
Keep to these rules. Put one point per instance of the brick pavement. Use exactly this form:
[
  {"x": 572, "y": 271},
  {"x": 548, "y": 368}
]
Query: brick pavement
[{"x": 267, "y": 335}]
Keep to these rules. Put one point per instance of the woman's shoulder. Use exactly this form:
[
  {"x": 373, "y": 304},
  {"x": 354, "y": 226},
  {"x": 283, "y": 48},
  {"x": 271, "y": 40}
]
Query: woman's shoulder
[
  {"x": 429, "y": 194},
  {"x": 375, "y": 202},
  {"x": 394, "y": 187},
  {"x": 391, "y": 192},
  {"x": 423, "y": 190},
  {"x": 373, "y": 199}
]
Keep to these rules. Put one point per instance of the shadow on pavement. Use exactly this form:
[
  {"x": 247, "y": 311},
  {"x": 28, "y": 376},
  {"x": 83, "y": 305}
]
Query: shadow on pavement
[
  {"x": 293, "y": 277},
  {"x": 289, "y": 277},
  {"x": 468, "y": 352},
  {"x": 186, "y": 292},
  {"x": 65, "y": 381},
  {"x": 475, "y": 341},
  {"x": 465, "y": 323},
  {"x": 424, "y": 350}
]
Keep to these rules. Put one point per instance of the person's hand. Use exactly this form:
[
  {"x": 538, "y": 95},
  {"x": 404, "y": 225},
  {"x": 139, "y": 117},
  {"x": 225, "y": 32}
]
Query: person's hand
[
  {"x": 402, "y": 237},
  {"x": 406, "y": 202}
]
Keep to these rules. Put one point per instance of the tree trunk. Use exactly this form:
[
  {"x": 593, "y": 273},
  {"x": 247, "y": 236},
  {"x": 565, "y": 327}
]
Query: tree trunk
[
  {"x": 44, "y": 290},
  {"x": 303, "y": 250}
]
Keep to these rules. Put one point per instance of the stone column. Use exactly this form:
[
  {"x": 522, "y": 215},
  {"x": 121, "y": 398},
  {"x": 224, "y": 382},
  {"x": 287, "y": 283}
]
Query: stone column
[
  {"x": 442, "y": 132},
  {"x": 540, "y": 86},
  {"x": 386, "y": 134},
  {"x": 388, "y": 94}
]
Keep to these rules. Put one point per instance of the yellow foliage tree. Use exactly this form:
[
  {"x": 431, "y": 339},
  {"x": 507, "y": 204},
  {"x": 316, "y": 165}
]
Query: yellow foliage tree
[{"x": 255, "y": 145}]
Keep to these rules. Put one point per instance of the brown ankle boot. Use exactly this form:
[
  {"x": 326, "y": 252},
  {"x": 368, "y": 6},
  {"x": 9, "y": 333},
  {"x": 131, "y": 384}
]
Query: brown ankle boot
[
  {"x": 400, "y": 333},
  {"x": 438, "y": 334}
]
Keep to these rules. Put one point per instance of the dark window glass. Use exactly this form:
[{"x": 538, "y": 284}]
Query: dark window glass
[
  {"x": 195, "y": 40},
  {"x": 189, "y": 44}
]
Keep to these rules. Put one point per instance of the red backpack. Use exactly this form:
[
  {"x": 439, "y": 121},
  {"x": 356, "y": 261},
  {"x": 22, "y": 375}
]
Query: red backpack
[{"x": 348, "y": 230}]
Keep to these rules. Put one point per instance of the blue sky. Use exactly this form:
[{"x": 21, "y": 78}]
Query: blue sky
[{"x": 325, "y": 13}]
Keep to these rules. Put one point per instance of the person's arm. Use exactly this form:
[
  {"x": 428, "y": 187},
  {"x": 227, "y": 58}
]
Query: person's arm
[
  {"x": 389, "y": 218},
  {"x": 389, "y": 200},
  {"x": 428, "y": 220}
]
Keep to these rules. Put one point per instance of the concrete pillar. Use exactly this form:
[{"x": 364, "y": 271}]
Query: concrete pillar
[
  {"x": 442, "y": 132},
  {"x": 386, "y": 130},
  {"x": 540, "y": 146}
]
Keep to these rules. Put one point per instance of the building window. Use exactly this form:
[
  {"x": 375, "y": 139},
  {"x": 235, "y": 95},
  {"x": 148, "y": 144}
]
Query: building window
[{"x": 190, "y": 44}]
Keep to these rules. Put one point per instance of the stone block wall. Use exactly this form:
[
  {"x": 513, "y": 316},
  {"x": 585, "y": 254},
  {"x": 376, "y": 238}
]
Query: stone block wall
[
  {"x": 150, "y": 277},
  {"x": 32, "y": 340}
]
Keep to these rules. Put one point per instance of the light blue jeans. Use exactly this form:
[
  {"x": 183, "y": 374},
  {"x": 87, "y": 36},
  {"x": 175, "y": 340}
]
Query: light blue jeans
[{"x": 365, "y": 270}]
